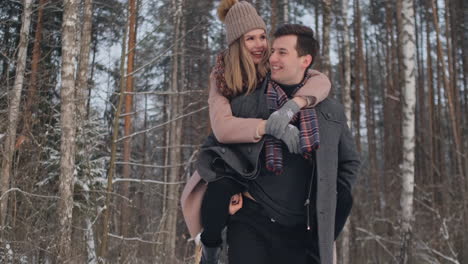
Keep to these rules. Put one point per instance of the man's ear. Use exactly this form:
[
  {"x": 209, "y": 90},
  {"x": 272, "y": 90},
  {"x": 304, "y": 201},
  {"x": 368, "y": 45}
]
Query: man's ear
[{"x": 306, "y": 60}]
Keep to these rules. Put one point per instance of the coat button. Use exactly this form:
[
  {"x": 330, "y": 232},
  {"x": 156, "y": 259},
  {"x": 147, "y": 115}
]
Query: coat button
[
  {"x": 223, "y": 150},
  {"x": 321, "y": 179},
  {"x": 328, "y": 115}
]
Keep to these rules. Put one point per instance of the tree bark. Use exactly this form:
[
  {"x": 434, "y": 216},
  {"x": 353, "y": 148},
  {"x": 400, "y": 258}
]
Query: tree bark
[
  {"x": 13, "y": 110},
  {"x": 407, "y": 38},
  {"x": 90, "y": 244},
  {"x": 285, "y": 7},
  {"x": 346, "y": 93},
  {"x": 125, "y": 192},
  {"x": 82, "y": 76},
  {"x": 274, "y": 16},
  {"x": 169, "y": 232},
  {"x": 357, "y": 86},
  {"x": 346, "y": 62},
  {"x": 326, "y": 65},
  {"x": 33, "y": 80},
  {"x": 68, "y": 126},
  {"x": 115, "y": 135}
]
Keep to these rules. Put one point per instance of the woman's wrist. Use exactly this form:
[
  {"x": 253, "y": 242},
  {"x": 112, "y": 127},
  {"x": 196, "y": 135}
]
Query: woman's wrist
[
  {"x": 300, "y": 101},
  {"x": 305, "y": 101},
  {"x": 260, "y": 131}
]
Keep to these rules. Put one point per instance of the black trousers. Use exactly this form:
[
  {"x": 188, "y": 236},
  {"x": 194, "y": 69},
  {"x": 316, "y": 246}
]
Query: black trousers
[
  {"x": 215, "y": 209},
  {"x": 253, "y": 238}
]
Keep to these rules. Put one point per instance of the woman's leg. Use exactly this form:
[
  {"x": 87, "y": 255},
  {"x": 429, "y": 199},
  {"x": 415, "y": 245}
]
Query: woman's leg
[{"x": 215, "y": 209}]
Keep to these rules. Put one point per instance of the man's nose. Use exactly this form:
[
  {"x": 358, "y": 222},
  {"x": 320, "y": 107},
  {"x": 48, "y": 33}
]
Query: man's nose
[{"x": 273, "y": 57}]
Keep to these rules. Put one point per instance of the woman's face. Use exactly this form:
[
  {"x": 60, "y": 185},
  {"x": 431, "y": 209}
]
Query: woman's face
[{"x": 256, "y": 43}]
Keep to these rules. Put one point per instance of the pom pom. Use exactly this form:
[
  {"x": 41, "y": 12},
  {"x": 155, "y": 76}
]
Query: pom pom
[{"x": 224, "y": 7}]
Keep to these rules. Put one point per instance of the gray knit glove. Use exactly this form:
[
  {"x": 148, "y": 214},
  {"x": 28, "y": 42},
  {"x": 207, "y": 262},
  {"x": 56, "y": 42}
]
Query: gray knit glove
[
  {"x": 279, "y": 120},
  {"x": 291, "y": 138}
]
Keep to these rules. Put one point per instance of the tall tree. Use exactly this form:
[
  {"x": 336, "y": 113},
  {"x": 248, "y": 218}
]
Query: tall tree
[
  {"x": 346, "y": 95},
  {"x": 103, "y": 250},
  {"x": 13, "y": 109},
  {"x": 127, "y": 148},
  {"x": 407, "y": 42},
  {"x": 33, "y": 79},
  {"x": 357, "y": 84},
  {"x": 82, "y": 76},
  {"x": 274, "y": 15},
  {"x": 391, "y": 104},
  {"x": 326, "y": 64},
  {"x": 285, "y": 11},
  {"x": 68, "y": 128},
  {"x": 176, "y": 102}
]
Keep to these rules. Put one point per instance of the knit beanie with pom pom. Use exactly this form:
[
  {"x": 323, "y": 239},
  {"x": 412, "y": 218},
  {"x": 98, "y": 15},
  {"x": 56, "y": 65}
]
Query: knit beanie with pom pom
[{"x": 239, "y": 18}]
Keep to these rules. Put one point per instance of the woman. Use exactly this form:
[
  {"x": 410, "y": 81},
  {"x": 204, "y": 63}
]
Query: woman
[{"x": 240, "y": 70}]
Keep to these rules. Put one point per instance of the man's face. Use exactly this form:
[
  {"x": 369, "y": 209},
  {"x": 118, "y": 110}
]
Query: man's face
[{"x": 286, "y": 65}]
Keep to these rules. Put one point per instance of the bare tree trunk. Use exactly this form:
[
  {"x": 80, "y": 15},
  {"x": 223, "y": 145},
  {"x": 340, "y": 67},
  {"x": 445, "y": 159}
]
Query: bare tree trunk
[
  {"x": 169, "y": 231},
  {"x": 346, "y": 62},
  {"x": 68, "y": 126},
  {"x": 357, "y": 86},
  {"x": 431, "y": 117},
  {"x": 451, "y": 66},
  {"x": 392, "y": 110},
  {"x": 125, "y": 192},
  {"x": 407, "y": 38},
  {"x": 346, "y": 93},
  {"x": 326, "y": 65},
  {"x": 90, "y": 244},
  {"x": 115, "y": 135},
  {"x": 274, "y": 16},
  {"x": 285, "y": 5},
  {"x": 36, "y": 56},
  {"x": 318, "y": 60},
  {"x": 82, "y": 76},
  {"x": 13, "y": 110}
]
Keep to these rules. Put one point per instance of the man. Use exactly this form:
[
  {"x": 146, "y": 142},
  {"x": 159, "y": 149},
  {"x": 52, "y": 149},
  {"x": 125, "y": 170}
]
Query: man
[{"x": 291, "y": 215}]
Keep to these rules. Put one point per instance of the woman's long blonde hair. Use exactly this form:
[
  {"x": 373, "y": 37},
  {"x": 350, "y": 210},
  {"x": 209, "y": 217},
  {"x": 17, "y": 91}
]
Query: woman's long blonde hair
[{"x": 241, "y": 73}]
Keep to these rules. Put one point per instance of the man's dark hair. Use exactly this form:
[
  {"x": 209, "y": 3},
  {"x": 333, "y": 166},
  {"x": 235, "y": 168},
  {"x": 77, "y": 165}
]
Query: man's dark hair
[{"x": 306, "y": 43}]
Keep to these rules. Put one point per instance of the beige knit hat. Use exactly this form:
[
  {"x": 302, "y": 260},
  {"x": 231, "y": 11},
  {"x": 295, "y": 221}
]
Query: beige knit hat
[{"x": 239, "y": 17}]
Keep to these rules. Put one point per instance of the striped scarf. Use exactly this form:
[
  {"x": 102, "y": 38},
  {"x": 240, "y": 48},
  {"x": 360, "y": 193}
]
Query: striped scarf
[{"x": 308, "y": 126}]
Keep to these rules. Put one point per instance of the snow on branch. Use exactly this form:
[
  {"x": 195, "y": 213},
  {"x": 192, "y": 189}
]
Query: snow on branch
[{"x": 145, "y": 181}]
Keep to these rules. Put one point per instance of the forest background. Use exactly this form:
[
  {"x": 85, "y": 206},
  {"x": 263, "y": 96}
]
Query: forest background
[{"x": 103, "y": 107}]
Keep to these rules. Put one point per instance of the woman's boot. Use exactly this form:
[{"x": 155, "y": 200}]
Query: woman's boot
[{"x": 210, "y": 255}]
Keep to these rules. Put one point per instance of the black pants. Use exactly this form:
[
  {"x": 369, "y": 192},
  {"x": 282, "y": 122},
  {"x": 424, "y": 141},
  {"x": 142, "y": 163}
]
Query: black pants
[
  {"x": 253, "y": 238},
  {"x": 215, "y": 209}
]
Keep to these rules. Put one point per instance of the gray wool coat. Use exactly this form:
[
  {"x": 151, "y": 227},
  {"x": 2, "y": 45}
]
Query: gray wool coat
[{"x": 337, "y": 165}]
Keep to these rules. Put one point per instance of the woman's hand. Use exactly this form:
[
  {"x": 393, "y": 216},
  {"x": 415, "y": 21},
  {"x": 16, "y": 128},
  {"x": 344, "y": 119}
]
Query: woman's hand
[{"x": 236, "y": 203}]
